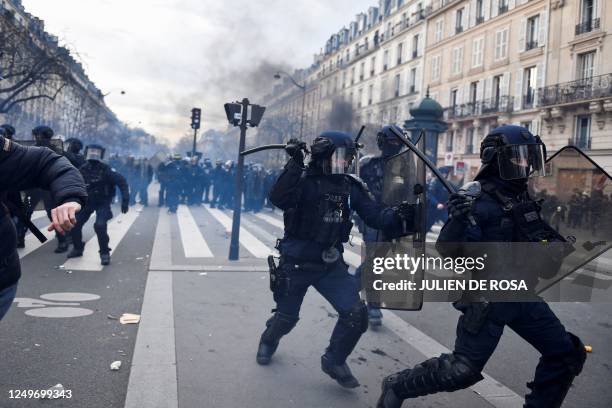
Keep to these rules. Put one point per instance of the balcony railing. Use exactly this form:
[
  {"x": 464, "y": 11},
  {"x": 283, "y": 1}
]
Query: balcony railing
[
  {"x": 530, "y": 45},
  {"x": 576, "y": 91},
  {"x": 502, "y": 9},
  {"x": 587, "y": 26},
  {"x": 479, "y": 20},
  {"x": 415, "y": 54},
  {"x": 458, "y": 29},
  {"x": 528, "y": 100},
  {"x": 491, "y": 106}
]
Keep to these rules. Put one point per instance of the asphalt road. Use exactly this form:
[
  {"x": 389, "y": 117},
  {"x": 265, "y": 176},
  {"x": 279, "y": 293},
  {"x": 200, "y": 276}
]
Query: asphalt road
[{"x": 201, "y": 319}]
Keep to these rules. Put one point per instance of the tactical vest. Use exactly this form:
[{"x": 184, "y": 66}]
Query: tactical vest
[
  {"x": 98, "y": 180},
  {"x": 324, "y": 217}
]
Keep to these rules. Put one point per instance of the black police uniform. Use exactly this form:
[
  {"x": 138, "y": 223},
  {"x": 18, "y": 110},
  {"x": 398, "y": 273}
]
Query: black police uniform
[
  {"x": 173, "y": 174},
  {"x": 496, "y": 211},
  {"x": 29, "y": 167},
  {"x": 101, "y": 182},
  {"x": 317, "y": 212}
]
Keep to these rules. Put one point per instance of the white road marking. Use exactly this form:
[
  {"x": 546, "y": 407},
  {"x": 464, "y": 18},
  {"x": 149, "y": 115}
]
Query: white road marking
[
  {"x": 194, "y": 244},
  {"x": 117, "y": 228},
  {"x": 271, "y": 220},
  {"x": 153, "y": 378},
  {"x": 38, "y": 214},
  {"x": 32, "y": 243},
  {"x": 257, "y": 248},
  {"x": 161, "y": 255},
  {"x": 490, "y": 389}
]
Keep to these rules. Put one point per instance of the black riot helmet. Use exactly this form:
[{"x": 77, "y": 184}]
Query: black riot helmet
[
  {"x": 7, "y": 131},
  {"x": 73, "y": 145},
  {"x": 513, "y": 152},
  {"x": 333, "y": 152},
  {"x": 42, "y": 134},
  {"x": 94, "y": 152},
  {"x": 387, "y": 142}
]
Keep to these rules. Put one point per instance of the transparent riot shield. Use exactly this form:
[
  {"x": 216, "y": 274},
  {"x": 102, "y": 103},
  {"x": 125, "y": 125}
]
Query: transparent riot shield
[
  {"x": 404, "y": 181},
  {"x": 577, "y": 202}
]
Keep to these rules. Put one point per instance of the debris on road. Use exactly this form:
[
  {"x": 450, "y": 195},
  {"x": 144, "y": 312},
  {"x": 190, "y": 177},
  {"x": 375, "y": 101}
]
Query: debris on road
[
  {"x": 115, "y": 365},
  {"x": 129, "y": 318},
  {"x": 588, "y": 349}
]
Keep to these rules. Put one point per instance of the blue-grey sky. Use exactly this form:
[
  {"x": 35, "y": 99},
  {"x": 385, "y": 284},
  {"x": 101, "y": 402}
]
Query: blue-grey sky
[{"x": 172, "y": 55}]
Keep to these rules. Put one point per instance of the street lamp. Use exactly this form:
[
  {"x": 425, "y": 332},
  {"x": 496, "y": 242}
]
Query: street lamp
[{"x": 303, "y": 88}]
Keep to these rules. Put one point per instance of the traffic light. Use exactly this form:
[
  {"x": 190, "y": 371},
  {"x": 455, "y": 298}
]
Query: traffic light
[
  {"x": 196, "y": 114},
  {"x": 257, "y": 112},
  {"x": 233, "y": 113}
]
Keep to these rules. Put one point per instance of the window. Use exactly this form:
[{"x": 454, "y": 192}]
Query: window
[
  {"x": 400, "y": 48},
  {"x": 450, "y": 137},
  {"x": 533, "y": 29},
  {"x": 582, "y": 138},
  {"x": 469, "y": 147},
  {"x": 477, "y": 51},
  {"x": 503, "y": 6},
  {"x": 474, "y": 92},
  {"x": 529, "y": 83},
  {"x": 435, "y": 67},
  {"x": 343, "y": 79},
  {"x": 348, "y": 55},
  {"x": 372, "y": 66},
  {"x": 453, "y": 98},
  {"x": 586, "y": 65},
  {"x": 359, "y": 97},
  {"x": 457, "y": 61},
  {"x": 385, "y": 60},
  {"x": 352, "y": 75},
  {"x": 361, "y": 71},
  {"x": 459, "y": 21},
  {"x": 496, "y": 91},
  {"x": 413, "y": 73},
  {"x": 588, "y": 19},
  {"x": 397, "y": 81},
  {"x": 479, "y": 11},
  {"x": 439, "y": 30},
  {"x": 370, "y": 94},
  {"x": 527, "y": 125},
  {"x": 415, "y": 46},
  {"x": 394, "y": 114},
  {"x": 501, "y": 44}
]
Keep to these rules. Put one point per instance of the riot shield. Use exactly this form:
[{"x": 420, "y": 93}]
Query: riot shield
[
  {"x": 404, "y": 181},
  {"x": 577, "y": 202}
]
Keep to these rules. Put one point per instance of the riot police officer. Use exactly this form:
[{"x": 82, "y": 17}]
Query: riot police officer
[
  {"x": 43, "y": 135},
  {"x": 372, "y": 172},
  {"x": 317, "y": 201},
  {"x": 498, "y": 209},
  {"x": 218, "y": 179},
  {"x": 195, "y": 181},
  {"x": 207, "y": 179},
  {"x": 72, "y": 151},
  {"x": 28, "y": 167},
  {"x": 101, "y": 182},
  {"x": 173, "y": 174}
]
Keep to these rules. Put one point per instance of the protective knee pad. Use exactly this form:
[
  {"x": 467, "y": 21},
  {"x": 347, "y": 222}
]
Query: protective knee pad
[
  {"x": 277, "y": 326},
  {"x": 449, "y": 372}
]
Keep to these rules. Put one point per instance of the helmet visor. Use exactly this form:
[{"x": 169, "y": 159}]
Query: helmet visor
[
  {"x": 93, "y": 153},
  {"x": 341, "y": 160},
  {"x": 521, "y": 161}
]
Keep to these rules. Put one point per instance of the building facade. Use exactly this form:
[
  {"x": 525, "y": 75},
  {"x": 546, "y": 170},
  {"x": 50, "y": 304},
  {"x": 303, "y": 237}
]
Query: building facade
[{"x": 535, "y": 63}]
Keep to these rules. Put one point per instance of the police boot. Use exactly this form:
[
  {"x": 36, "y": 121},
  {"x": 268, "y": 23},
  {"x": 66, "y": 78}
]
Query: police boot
[
  {"x": 76, "y": 252},
  {"x": 276, "y": 327},
  {"x": 62, "y": 246},
  {"x": 449, "y": 372},
  {"x": 551, "y": 392},
  {"x": 339, "y": 372},
  {"x": 105, "y": 258}
]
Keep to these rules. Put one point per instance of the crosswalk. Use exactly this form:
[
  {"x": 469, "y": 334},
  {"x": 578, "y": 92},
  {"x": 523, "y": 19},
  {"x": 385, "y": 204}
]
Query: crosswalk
[{"x": 194, "y": 244}]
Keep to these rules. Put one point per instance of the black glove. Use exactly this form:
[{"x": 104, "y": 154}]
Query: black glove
[
  {"x": 407, "y": 212},
  {"x": 125, "y": 207},
  {"x": 459, "y": 206},
  {"x": 295, "y": 150}
]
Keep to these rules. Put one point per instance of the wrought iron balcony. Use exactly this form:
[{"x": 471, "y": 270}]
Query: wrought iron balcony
[
  {"x": 504, "y": 104},
  {"x": 458, "y": 29},
  {"x": 415, "y": 54},
  {"x": 578, "y": 91},
  {"x": 502, "y": 9},
  {"x": 587, "y": 26},
  {"x": 528, "y": 100},
  {"x": 530, "y": 45},
  {"x": 480, "y": 20}
]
